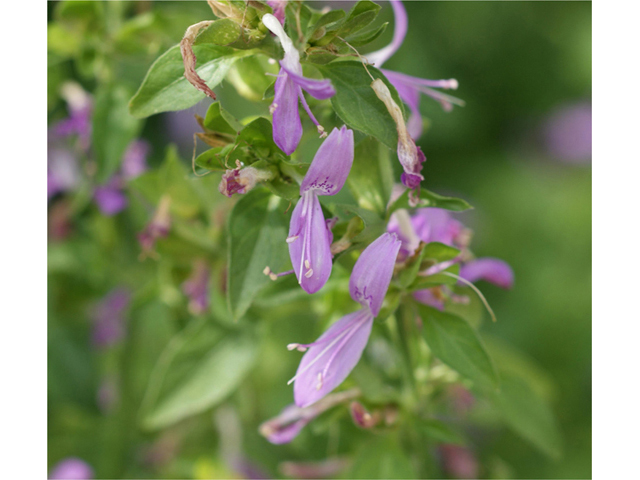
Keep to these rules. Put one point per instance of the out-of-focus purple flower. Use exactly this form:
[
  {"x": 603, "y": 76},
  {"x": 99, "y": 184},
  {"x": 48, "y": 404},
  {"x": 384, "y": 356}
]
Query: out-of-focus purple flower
[
  {"x": 330, "y": 359},
  {"x": 431, "y": 297},
  {"x": 461, "y": 398},
  {"x": 134, "y": 160},
  {"x": 63, "y": 171},
  {"x": 489, "y": 269},
  {"x": 110, "y": 198},
  {"x": 287, "y": 128},
  {"x": 459, "y": 462},
  {"x": 567, "y": 133},
  {"x": 108, "y": 327},
  {"x": 71, "y": 468},
  {"x": 79, "y": 120},
  {"x": 278, "y": 7},
  {"x": 242, "y": 179},
  {"x": 196, "y": 287},
  {"x": 309, "y": 238},
  {"x": 409, "y": 88},
  {"x": 286, "y": 426},
  {"x": 157, "y": 228}
]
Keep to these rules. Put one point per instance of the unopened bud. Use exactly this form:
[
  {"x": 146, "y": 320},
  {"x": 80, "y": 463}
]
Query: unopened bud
[
  {"x": 241, "y": 180},
  {"x": 361, "y": 416}
]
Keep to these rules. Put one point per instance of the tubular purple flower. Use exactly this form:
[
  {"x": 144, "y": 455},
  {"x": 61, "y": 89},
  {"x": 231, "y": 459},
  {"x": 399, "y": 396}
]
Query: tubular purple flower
[
  {"x": 309, "y": 235},
  {"x": 71, "y": 468},
  {"x": 409, "y": 88},
  {"x": 330, "y": 359},
  {"x": 489, "y": 269},
  {"x": 287, "y": 128}
]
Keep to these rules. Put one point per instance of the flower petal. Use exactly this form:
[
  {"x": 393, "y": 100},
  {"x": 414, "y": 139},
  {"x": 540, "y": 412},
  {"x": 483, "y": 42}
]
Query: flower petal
[
  {"x": 492, "y": 270},
  {"x": 373, "y": 271},
  {"x": 110, "y": 198},
  {"x": 320, "y": 89},
  {"x": 331, "y": 165},
  {"x": 327, "y": 364},
  {"x": 309, "y": 245},
  {"x": 436, "y": 225},
  {"x": 287, "y": 128},
  {"x": 401, "y": 23}
]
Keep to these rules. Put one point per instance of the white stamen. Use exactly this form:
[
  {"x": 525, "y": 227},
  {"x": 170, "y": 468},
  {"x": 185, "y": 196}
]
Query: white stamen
[
  {"x": 273, "y": 276},
  {"x": 319, "y": 386},
  {"x": 292, "y": 239},
  {"x": 322, "y": 132},
  {"x": 453, "y": 84},
  {"x": 272, "y": 108},
  {"x": 309, "y": 273},
  {"x": 307, "y": 263},
  {"x": 266, "y": 271},
  {"x": 292, "y": 346}
]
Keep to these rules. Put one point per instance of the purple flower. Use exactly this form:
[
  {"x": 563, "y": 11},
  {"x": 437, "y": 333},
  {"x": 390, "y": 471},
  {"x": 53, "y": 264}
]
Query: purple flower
[
  {"x": 79, "y": 120},
  {"x": 196, "y": 287},
  {"x": 409, "y": 88},
  {"x": 287, "y": 128},
  {"x": 330, "y": 359},
  {"x": 108, "y": 328},
  {"x": 489, "y": 269},
  {"x": 134, "y": 160},
  {"x": 109, "y": 197},
  {"x": 292, "y": 419},
  {"x": 71, "y": 468},
  {"x": 437, "y": 225},
  {"x": 309, "y": 238},
  {"x": 63, "y": 171},
  {"x": 567, "y": 133}
]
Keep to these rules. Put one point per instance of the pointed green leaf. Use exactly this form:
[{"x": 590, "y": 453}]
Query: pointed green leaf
[
  {"x": 453, "y": 341},
  {"x": 165, "y": 89},
  {"x": 256, "y": 234},
  {"x": 430, "y": 199}
]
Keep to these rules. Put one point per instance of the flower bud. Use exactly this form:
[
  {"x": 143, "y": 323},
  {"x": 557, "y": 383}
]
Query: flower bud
[{"x": 241, "y": 180}]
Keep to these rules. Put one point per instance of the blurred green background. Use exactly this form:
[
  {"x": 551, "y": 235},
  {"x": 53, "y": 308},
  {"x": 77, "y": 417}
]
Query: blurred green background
[{"x": 518, "y": 64}]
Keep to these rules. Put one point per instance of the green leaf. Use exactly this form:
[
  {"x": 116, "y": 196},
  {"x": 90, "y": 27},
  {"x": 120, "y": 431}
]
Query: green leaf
[
  {"x": 366, "y": 36},
  {"x": 113, "y": 128},
  {"x": 434, "y": 252},
  {"x": 453, "y": 341},
  {"x": 371, "y": 176},
  {"x": 374, "y": 226},
  {"x": 257, "y": 230},
  {"x": 221, "y": 32},
  {"x": 528, "y": 415},
  {"x": 165, "y": 89},
  {"x": 439, "y": 252},
  {"x": 430, "y": 199},
  {"x": 219, "y": 120},
  {"x": 248, "y": 76},
  {"x": 382, "y": 457},
  {"x": 361, "y": 15},
  {"x": 436, "y": 279},
  {"x": 328, "y": 18},
  {"x": 356, "y": 103},
  {"x": 214, "y": 158},
  {"x": 203, "y": 370}
]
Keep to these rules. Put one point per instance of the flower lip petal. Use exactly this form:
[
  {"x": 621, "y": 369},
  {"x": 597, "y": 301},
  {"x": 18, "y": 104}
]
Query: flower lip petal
[
  {"x": 401, "y": 23},
  {"x": 325, "y": 365},
  {"x": 310, "y": 249},
  {"x": 331, "y": 165},
  {"x": 372, "y": 272},
  {"x": 320, "y": 89}
]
